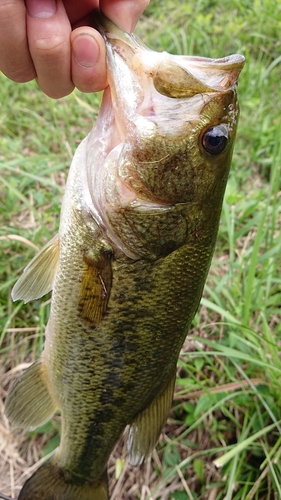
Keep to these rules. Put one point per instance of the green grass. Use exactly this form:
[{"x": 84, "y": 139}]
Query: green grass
[{"x": 233, "y": 366}]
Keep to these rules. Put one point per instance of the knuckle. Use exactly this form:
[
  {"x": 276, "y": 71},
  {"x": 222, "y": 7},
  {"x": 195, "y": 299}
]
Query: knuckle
[
  {"x": 9, "y": 11},
  {"x": 49, "y": 48}
]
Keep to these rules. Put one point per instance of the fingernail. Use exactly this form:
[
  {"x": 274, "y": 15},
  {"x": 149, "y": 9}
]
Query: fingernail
[
  {"x": 41, "y": 8},
  {"x": 85, "y": 50}
]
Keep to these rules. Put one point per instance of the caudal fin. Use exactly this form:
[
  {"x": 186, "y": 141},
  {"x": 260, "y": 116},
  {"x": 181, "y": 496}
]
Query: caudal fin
[{"x": 48, "y": 483}]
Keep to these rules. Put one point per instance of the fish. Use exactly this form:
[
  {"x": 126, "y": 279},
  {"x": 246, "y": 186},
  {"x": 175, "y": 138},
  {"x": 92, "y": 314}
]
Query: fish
[{"x": 138, "y": 228}]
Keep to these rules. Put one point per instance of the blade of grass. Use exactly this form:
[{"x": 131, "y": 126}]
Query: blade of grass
[{"x": 221, "y": 461}]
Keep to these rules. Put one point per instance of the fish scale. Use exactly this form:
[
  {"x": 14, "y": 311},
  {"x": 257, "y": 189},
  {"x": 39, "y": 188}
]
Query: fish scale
[{"x": 137, "y": 232}]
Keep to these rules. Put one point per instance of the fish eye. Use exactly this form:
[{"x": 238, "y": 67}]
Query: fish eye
[{"x": 215, "y": 139}]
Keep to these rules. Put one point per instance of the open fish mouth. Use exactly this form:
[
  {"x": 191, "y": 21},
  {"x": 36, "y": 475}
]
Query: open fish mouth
[
  {"x": 176, "y": 76},
  {"x": 141, "y": 80},
  {"x": 154, "y": 103}
]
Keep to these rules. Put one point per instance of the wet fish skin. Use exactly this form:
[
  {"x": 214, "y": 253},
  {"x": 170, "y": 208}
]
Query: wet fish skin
[{"x": 138, "y": 229}]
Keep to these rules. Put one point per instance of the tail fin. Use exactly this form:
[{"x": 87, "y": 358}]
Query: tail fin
[{"x": 48, "y": 483}]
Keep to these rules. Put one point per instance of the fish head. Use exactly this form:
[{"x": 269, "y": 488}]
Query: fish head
[{"x": 168, "y": 140}]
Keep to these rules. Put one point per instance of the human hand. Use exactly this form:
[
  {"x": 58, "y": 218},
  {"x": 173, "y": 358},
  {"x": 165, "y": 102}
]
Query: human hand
[{"x": 52, "y": 41}]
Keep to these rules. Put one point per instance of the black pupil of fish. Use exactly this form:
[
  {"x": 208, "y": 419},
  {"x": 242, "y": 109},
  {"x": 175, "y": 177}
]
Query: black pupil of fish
[{"x": 214, "y": 140}]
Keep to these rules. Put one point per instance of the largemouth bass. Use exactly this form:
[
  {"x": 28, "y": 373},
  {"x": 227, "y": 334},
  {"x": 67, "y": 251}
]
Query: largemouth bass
[{"x": 137, "y": 233}]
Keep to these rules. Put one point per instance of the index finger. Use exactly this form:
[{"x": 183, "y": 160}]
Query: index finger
[{"x": 124, "y": 13}]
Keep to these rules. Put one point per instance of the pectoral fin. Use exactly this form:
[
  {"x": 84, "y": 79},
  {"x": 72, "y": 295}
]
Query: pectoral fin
[
  {"x": 29, "y": 402},
  {"x": 147, "y": 427},
  {"x": 95, "y": 288},
  {"x": 38, "y": 276}
]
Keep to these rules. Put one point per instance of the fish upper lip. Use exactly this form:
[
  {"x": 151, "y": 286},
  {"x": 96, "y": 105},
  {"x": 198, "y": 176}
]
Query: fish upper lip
[{"x": 214, "y": 74}]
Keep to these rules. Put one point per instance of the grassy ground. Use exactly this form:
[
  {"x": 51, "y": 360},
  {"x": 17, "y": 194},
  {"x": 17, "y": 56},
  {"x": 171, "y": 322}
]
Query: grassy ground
[{"x": 223, "y": 440}]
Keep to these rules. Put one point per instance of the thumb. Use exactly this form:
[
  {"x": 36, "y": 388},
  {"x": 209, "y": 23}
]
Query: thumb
[{"x": 88, "y": 68}]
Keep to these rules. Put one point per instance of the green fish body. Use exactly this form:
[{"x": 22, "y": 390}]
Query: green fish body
[{"x": 138, "y": 228}]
